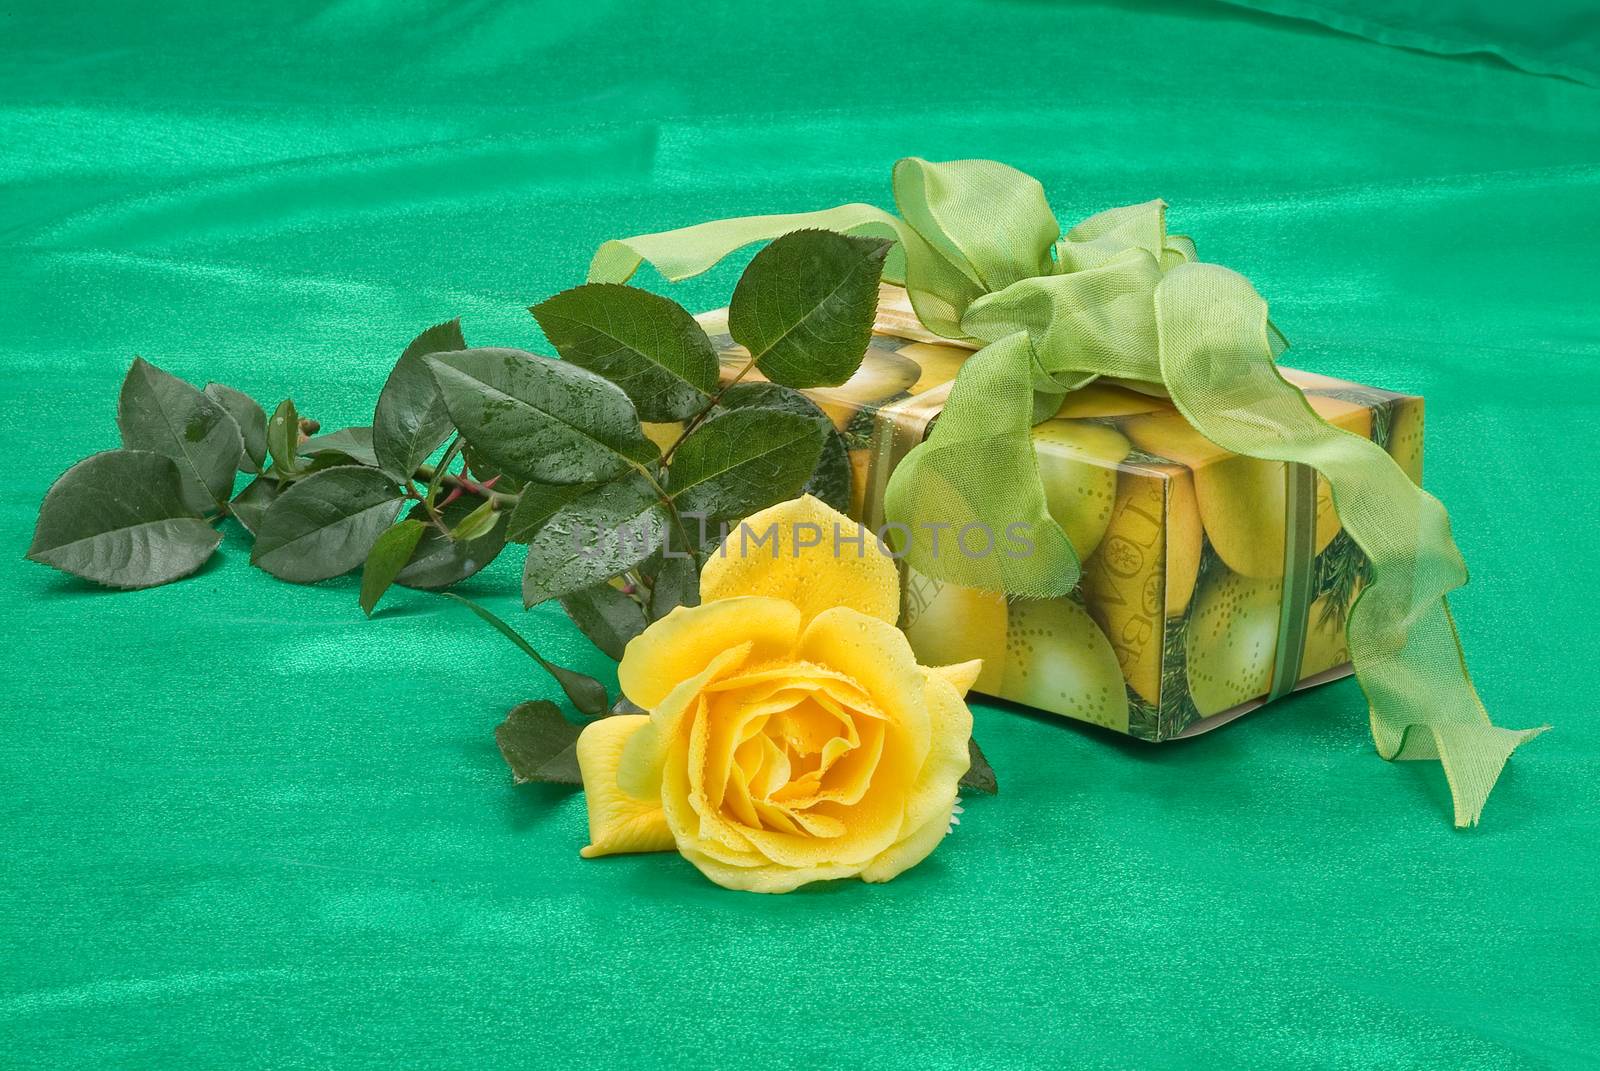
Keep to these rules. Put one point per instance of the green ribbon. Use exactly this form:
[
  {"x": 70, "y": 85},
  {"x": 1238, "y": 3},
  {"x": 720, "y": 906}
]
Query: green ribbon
[
  {"x": 1299, "y": 555},
  {"x": 984, "y": 261}
]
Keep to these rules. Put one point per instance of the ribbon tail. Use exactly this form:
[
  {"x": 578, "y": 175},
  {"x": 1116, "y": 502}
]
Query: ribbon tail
[
  {"x": 969, "y": 500},
  {"x": 1472, "y": 757},
  {"x": 1216, "y": 360},
  {"x": 1472, "y": 752},
  {"x": 688, "y": 251}
]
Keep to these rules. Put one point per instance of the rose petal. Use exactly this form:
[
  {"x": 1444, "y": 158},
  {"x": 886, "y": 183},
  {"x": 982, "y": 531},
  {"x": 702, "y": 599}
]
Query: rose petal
[
  {"x": 911, "y": 850},
  {"x": 618, "y": 822},
  {"x": 948, "y": 756},
  {"x": 684, "y": 642},
  {"x": 849, "y": 778},
  {"x": 835, "y": 571},
  {"x": 695, "y": 825},
  {"x": 639, "y": 773},
  {"x": 728, "y": 725},
  {"x": 877, "y": 656},
  {"x": 962, "y": 675},
  {"x": 765, "y": 879},
  {"x": 865, "y": 834}
]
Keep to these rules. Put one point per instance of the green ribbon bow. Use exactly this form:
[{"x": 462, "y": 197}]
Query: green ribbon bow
[{"x": 984, "y": 261}]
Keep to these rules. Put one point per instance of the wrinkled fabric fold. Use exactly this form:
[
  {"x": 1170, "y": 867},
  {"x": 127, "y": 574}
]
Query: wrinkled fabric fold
[
  {"x": 1117, "y": 296},
  {"x": 1547, "y": 38}
]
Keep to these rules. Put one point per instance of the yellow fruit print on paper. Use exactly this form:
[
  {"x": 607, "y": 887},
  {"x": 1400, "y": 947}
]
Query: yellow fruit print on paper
[
  {"x": 1057, "y": 659},
  {"x": 1078, "y": 465},
  {"x": 1181, "y": 544},
  {"x": 948, "y": 623},
  {"x": 1232, "y": 639},
  {"x": 1124, "y": 582},
  {"x": 1144, "y": 570}
]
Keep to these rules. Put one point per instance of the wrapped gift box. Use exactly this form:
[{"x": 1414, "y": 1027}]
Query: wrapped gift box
[{"x": 1211, "y": 584}]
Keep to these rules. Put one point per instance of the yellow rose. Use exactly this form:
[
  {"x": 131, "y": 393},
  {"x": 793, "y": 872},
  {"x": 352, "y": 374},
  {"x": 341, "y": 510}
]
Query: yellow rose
[{"x": 791, "y": 735}]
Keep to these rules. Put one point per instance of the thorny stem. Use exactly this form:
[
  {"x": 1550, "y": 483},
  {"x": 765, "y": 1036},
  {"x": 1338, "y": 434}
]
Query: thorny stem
[
  {"x": 461, "y": 483},
  {"x": 666, "y": 500},
  {"x": 437, "y": 476},
  {"x": 469, "y": 486},
  {"x": 700, "y": 417}
]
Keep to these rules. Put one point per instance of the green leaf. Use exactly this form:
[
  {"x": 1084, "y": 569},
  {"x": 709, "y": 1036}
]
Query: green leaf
[
  {"x": 385, "y": 560},
  {"x": 593, "y": 538},
  {"x": 539, "y": 744},
  {"x": 672, "y": 575},
  {"x": 119, "y": 518},
  {"x": 411, "y": 421},
  {"x": 743, "y": 461},
  {"x": 540, "y": 419},
  {"x": 325, "y": 524},
  {"x": 161, "y": 413},
  {"x": 980, "y": 775},
  {"x": 586, "y": 693},
  {"x": 457, "y": 446},
  {"x": 830, "y": 480},
  {"x": 250, "y": 505},
  {"x": 483, "y": 471},
  {"x": 604, "y": 614},
  {"x": 440, "y": 561},
  {"x": 477, "y": 524},
  {"x": 538, "y": 503},
  {"x": 352, "y": 443},
  {"x": 252, "y": 421},
  {"x": 644, "y": 343},
  {"x": 283, "y": 439},
  {"x": 804, "y": 307},
  {"x": 675, "y": 583}
]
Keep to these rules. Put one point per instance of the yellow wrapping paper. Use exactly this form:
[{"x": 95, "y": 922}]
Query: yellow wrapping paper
[{"x": 1181, "y": 621}]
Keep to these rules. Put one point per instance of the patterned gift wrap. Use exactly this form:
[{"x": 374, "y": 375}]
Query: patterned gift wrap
[{"x": 1212, "y": 583}]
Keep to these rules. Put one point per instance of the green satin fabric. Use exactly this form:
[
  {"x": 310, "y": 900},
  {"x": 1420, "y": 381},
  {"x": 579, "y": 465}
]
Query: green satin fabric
[
  {"x": 984, "y": 261},
  {"x": 242, "y": 826},
  {"x": 1556, "y": 37}
]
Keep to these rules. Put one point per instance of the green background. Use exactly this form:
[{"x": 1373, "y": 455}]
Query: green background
[{"x": 242, "y": 825}]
